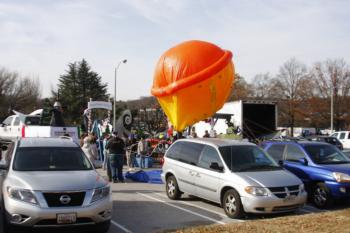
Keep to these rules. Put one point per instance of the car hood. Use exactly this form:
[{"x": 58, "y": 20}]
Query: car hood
[
  {"x": 344, "y": 168},
  {"x": 56, "y": 180},
  {"x": 270, "y": 178}
]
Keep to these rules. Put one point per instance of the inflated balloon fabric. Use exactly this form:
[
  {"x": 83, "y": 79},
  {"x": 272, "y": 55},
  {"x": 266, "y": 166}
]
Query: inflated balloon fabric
[{"x": 192, "y": 81}]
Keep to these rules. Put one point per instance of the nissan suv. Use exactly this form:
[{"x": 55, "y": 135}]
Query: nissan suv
[
  {"x": 238, "y": 175},
  {"x": 323, "y": 168},
  {"x": 49, "y": 182}
]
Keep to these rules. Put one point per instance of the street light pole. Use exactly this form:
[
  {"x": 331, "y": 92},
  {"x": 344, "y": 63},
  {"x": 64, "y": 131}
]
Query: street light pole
[
  {"x": 332, "y": 93},
  {"x": 115, "y": 90}
]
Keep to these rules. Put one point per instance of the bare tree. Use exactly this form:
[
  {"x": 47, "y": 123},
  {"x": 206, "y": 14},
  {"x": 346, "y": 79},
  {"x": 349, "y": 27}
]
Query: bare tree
[
  {"x": 241, "y": 89},
  {"x": 22, "y": 94},
  {"x": 290, "y": 87},
  {"x": 264, "y": 87},
  {"x": 332, "y": 77}
]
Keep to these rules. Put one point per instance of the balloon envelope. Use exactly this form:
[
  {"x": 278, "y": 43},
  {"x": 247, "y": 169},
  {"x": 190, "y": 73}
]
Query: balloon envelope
[{"x": 192, "y": 81}]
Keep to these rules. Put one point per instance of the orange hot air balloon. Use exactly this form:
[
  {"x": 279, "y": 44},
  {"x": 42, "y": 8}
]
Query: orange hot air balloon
[{"x": 192, "y": 81}]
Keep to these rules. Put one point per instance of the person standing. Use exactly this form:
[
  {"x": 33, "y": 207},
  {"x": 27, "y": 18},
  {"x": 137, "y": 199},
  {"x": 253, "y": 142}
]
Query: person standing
[
  {"x": 116, "y": 147},
  {"x": 56, "y": 115},
  {"x": 130, "y": 152},
  {"x": 206, "y": 134},
  {"x": 87, "y": 149},
  {"x": 142, "y": 150}
]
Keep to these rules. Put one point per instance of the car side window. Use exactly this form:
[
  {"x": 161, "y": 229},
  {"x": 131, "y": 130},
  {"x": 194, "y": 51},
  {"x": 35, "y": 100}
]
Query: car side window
[
  {"x": 209, "y": 155},
  {"x": 8, "y": 121},
  {"x": 276, "y": 152},
  {"x": 335, "y": 135},
  {"x": 190, "y": 152},
  {"x": 348, "y": 135},
  {"x": 342, "y": 136},
  {"x": 294, "y": 153},
  {"x": 16, "y": 123},
  {"x": 186, "y": 152},
  {"x": 174, "y": 151}
]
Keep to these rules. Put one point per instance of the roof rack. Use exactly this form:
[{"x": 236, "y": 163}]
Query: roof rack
[{"x": 289, "y": 139}]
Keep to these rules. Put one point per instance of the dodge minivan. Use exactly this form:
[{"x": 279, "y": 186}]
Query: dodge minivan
[{"x": 238, "y": 175}]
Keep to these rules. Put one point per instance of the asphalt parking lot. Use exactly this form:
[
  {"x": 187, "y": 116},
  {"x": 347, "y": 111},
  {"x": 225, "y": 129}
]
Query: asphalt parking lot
[{"x": 144, "y": 207}]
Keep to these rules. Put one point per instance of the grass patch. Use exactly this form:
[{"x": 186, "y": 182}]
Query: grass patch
[{"x": 331, "y": 221}]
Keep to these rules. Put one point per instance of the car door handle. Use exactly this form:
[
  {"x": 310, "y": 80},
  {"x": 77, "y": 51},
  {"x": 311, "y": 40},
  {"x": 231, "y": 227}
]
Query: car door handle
[
  {"x": 198, "y": 175},
  {"x": 191, "y": 173}
]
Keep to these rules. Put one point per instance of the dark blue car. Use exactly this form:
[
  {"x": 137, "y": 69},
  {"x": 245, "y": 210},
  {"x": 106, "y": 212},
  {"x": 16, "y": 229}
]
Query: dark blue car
[{"x": 323, "y": 168}]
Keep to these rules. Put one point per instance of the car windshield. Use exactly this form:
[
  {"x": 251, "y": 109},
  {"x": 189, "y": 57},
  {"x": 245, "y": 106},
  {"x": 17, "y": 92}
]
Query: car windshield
[
  {"x": 325, "y": 154},
  {"x": 247, "y": 158},
  {"x": 50, "y": 159}
]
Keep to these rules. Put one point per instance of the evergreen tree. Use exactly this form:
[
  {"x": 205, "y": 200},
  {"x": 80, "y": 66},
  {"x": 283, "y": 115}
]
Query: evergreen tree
[{"x": 76, "y": 87}]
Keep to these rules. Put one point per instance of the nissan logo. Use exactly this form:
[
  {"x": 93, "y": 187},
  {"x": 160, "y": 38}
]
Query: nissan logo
[{"x": 65, "y": 199}]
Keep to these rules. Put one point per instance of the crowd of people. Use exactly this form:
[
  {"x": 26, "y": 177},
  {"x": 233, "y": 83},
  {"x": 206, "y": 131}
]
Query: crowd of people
[{"x": 114, "y": 150}]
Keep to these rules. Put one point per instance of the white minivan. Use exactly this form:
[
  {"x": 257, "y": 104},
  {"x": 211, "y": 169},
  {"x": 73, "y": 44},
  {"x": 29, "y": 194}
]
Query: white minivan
[{"x": 238, "y": 175}]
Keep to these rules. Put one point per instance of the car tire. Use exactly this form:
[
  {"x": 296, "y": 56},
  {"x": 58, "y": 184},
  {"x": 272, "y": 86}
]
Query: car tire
[
  {"x": 172, "y": 189},
  {"x": 4, "y": 226},
  {"x": 232, "y": 204},
  {"x": 102, "y": 227},
  {"x": 321, "y": 196}
]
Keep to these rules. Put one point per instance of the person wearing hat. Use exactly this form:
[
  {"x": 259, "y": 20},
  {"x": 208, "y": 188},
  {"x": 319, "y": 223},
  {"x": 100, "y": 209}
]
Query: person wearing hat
[
  {"x": 56, "y": 115},
  {"x": 116, "y": 149}
]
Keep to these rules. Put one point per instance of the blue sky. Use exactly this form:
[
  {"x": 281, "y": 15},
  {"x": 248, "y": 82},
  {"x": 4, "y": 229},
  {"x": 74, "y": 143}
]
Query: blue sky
[{"x": 39, "y": 38}]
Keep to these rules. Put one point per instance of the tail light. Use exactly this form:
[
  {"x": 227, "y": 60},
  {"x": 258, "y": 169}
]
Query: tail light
[{"x": 23, "y": 131}]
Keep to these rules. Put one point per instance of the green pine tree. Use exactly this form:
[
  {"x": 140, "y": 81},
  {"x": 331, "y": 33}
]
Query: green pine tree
[{"x": 75, "y": 89}]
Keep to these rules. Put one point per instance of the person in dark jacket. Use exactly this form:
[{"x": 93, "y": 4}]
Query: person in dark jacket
[
  {"x": 116, "y": 148},
  {"x": 56, "y": 115}
]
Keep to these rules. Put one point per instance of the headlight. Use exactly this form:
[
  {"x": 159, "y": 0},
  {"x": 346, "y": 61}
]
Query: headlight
[
  {"x": 301, "y": 188},
  {"x": 256, "y": 191},
  {"x": 341, "y": 177},
  {"x": 22, "y": 195},
  {"x": 100, "y": 193}
]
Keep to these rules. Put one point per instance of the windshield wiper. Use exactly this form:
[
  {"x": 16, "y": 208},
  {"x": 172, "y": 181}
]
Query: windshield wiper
[
  {"x": 334, "y": 162},
  {"x": 260, "y": 166}
]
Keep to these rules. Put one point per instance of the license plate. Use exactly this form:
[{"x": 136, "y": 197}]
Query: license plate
[
  {"x": 66, "y": 218},
  {"x": 289, "y": 198}
]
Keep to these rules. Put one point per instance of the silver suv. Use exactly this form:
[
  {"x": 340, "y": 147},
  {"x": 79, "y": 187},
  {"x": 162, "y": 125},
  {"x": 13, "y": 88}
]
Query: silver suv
[
  {"x": 49, "y": 182},
  {"x": 238, "y": 175}
]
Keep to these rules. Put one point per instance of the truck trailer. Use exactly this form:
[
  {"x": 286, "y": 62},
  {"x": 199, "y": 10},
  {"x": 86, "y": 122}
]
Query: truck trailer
[{"x": 251, "y": 119}]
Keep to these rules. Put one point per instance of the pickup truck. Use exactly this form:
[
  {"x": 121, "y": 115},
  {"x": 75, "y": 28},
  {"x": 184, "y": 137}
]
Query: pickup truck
[
  {"x": 344, "y": 138},
  {"x": 19, "y": 126}
]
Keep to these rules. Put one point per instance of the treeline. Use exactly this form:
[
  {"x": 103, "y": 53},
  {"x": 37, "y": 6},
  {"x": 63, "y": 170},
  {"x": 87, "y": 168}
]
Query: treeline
[{"x": 303, "y": 93}]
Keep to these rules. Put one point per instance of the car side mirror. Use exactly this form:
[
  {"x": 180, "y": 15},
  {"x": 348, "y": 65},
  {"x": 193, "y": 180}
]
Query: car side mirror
[
  {"x": 3, "y": 147},
  {"x": 4, "y": 167},
  {"x": 280, "y": 162},
  {"x": 303, "y": 161},
  {"x": 215, "y": 166}
]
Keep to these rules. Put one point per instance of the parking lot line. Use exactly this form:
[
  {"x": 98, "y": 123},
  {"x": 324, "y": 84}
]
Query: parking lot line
[
  {"x": 120, "y": 226},
  {"x": 180, "y": 208},
  {"x": 203, "y": 208}
]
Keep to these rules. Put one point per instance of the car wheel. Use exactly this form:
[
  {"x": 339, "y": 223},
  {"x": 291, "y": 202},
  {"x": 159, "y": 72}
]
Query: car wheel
[
  {"x": 172, "y": 189},
  {"x": 321, "y": 196},
  {"x": 232, "y": 204},
  {"x": 102, "y": 227},
  {"x": 4, "y": 226}
]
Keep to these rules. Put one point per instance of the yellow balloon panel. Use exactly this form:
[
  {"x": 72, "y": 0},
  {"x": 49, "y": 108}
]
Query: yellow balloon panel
[{"x": 199, "y": 101}]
